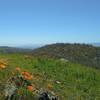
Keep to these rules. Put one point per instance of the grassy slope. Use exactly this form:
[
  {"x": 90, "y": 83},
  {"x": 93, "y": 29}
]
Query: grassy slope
[{"x": 77, "y": 82}]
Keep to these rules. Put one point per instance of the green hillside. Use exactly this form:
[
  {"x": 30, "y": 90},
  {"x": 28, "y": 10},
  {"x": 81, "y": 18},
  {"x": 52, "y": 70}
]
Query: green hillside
[
  {"x": 78, "y": 53},
  {"x": 69, "y": 81}
]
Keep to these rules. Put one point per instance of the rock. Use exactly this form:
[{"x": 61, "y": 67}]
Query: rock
[
  {"x": 43, "y": 96},
  {"x": 9, "y": 90},
  {"x": 58, "y": 82},
  {"x": 54, "y": 98},
  {"x": 63, "y": 60},
  {"x": 46, "y": 96}
]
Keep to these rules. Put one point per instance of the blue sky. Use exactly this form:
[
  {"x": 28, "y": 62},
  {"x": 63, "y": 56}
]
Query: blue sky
[{"x": 49, "y": 21}]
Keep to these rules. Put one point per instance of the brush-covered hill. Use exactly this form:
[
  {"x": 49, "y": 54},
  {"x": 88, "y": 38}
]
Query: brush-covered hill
[
  {"x": 78, "y": 53},
  {"x": 9, "y": 50}
]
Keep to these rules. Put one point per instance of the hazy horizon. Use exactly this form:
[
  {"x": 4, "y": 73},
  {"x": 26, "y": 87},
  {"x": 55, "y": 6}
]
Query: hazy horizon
[{"x": 39, "y": 45}]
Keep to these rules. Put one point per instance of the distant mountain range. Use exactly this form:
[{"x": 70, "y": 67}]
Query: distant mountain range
[
  {"x": 18, "y": 49},
  {"x": 30, "y": 46},
  {"x": 9, "y": 50}
]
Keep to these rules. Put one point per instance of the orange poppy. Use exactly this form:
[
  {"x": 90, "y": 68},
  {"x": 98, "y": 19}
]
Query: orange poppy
[
  {"x": 30, "y": 78},
  {"x": 24, "y": 76},
  {"x": 30, "y": 88},
  {"x": 26, "y": 73},
  {"x": 17, "y": 69}
]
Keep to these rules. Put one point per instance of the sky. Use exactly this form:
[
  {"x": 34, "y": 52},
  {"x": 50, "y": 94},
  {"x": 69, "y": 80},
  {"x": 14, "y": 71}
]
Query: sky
[{"x": 49, "y": 21}]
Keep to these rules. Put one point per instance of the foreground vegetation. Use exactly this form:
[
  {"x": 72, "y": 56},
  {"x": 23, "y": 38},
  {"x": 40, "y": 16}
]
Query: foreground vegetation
[{"x": 69, "y": 81}]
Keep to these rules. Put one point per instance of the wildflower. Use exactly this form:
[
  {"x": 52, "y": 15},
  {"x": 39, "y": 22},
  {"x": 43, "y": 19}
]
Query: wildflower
[
  {"x": 17, "y": 69},
  {"x": 26, "y": 73},
  {"x": 30, "y": 88},
  {"x": 29, "y": 77},
  {"x": 2, "y": 66},
  {"x": 26, "y": 77},
  {"x": 49, "y": 86}
]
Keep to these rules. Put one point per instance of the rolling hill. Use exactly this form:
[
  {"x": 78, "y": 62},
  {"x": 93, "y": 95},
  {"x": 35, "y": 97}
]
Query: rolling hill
[{"x": 78, "y": 53}]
